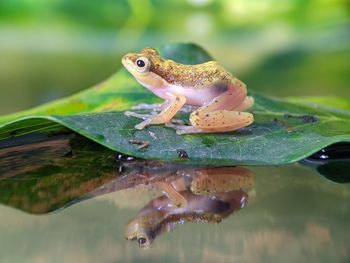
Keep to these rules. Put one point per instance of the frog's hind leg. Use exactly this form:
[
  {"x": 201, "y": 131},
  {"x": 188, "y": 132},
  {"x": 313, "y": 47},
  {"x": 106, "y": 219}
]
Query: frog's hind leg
[
  {"x": 222, "y": 120},
  {"x": 218, "y": 116},
  {"x": 216, "y": 121},
  {"x": 167, "y": 113},
  {"x": 144, "y": 106}
]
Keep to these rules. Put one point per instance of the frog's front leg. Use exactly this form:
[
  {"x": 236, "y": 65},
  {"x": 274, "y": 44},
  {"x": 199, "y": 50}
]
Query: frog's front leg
[
  {"x": 157, "y": 107},
  {"x": 168, "y": 112},
  {"x": 176, "y": 198},
  {"x": 144, "y": 106}
]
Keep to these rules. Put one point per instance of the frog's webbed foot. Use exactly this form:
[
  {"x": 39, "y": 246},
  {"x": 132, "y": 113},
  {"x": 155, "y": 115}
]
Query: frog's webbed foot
[
  {"x": 159, "y": 107},
  {"x": 176, "y": 122},
  {"x": 170, "y": 108},
  {"x": 184, "y": 129},
  {"x": 146, "y": 117},
  {"x": 143, "y": 124},
  {"x": 137, "y": 115},
  {"x": 153, "y": 107}
]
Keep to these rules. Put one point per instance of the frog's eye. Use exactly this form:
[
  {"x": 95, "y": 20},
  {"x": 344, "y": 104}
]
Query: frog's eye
[
  {"x": 142, "y": 64},
  {"x": 141, "y": 241}
]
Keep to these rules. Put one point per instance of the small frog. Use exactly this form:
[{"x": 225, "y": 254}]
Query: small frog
[
  {"x": 220, "y": 97},
  {"x": 159, "y": 215},
  {"x": 190, "y": 195}
]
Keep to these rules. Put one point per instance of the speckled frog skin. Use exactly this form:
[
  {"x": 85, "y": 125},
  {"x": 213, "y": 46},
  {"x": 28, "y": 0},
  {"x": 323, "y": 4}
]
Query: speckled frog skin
[{"x": 220, "y": 97}]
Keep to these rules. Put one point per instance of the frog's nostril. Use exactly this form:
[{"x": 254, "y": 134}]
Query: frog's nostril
[{"x": 126, "y": 56}]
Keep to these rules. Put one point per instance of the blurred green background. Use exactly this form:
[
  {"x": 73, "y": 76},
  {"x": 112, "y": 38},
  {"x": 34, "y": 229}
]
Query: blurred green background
[{"x": 51, "y": 49}]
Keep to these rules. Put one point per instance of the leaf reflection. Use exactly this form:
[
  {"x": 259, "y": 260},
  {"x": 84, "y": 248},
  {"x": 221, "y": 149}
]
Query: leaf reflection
[{"x": 45, "y": 173}]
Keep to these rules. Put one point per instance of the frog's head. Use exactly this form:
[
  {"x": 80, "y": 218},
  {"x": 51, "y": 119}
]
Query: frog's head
[
  {"x": 142, "y": 65},
  {"x": 141, "y": 230}
]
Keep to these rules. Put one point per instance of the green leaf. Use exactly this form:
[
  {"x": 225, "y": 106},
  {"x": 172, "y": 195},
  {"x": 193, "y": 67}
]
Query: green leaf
[{"x": 284, "y": 131}]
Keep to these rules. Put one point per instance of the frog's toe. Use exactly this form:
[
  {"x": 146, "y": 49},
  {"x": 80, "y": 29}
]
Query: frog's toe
[
  {"x": 188, "y": 130},
  {"x": 143, "y": 124},
  {"x": 170, "y": 125},
  {"x": 129, "y": 113},
  {"x": 181, "y": 132},
  {"x": 140, "y": 126},
  {"x": 145, "y": 106},
  {"x": 183, "y": 129},
  {"x": 178, "y": 122},
  {"x": 137, "y": 115}
]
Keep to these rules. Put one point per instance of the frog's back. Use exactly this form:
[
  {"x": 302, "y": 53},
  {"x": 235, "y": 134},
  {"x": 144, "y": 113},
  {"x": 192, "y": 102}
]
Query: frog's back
[
  {"x": 209, "y": 73},
  {"x": 192, "y": 76}
]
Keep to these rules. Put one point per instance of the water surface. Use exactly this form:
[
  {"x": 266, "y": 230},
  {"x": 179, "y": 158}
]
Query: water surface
[{"x": 64, "y": 199}]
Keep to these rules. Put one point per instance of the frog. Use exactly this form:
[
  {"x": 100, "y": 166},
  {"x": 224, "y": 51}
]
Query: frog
[
  {"x": 207, "y": 194},
  {"x": 219, "y": 99},
  {"x": 160, "y": 215}
]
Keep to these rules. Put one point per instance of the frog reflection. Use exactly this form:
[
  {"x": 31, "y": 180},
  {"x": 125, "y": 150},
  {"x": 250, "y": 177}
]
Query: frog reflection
[{"x": 192, "y": 195}]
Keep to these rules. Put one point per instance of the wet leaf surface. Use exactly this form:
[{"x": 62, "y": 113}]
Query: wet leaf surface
[{"x": 284, "y": 131}]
